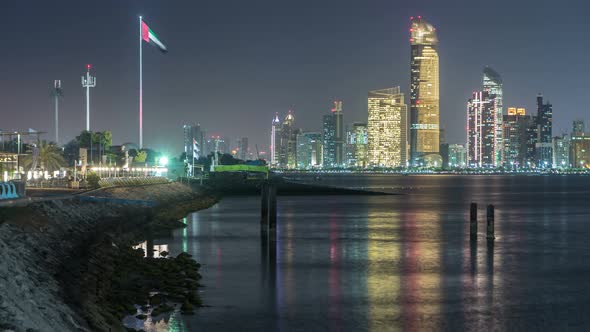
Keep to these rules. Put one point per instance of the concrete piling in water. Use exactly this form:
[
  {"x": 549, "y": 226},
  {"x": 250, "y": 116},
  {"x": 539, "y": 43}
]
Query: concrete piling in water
[
  {"x": 272, "y": 212},
  {"x": 473, "y": 221},
  {"x": 490, "y": 222}
]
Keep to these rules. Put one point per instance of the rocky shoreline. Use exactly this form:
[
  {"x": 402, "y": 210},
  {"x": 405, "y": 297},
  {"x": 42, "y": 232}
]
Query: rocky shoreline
[{"x": 67, "y": 264}]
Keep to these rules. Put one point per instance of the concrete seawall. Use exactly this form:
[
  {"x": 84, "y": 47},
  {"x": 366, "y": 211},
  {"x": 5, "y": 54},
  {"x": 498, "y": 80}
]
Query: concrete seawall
[{"x": 38, "y": 240}]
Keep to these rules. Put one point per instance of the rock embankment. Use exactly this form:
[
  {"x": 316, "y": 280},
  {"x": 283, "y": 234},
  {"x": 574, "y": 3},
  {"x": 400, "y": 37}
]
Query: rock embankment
[{"x": 45, "y": 248}]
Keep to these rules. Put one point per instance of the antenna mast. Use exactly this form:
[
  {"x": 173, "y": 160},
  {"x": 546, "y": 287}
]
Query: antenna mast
[
  {"x": 57, "y": 93},
  {"x": 88, "y": 82}
]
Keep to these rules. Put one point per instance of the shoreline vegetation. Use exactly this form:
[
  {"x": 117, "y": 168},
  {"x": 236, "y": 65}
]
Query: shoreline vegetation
[{"x": 69, "y": 265}]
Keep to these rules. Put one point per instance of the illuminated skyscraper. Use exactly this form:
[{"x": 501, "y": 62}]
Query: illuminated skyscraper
[
  {"x": 457, "y": 156},
  {"x": 275, "y": 139},
  {"x": 579, "y": 146},
  {"x": 333, "y": 137},
  {"x": 387, "y": 128},
  {"x": 309, "y": 150},
  {"x": 329, "y": 138},
  {"x": 288, "y": 143},
  {"x": 356, "y": 145},
  {"x": 492, "y": 84},
  {"x": 424, "y": 94},
  {"x": 544, "y": 146},
  {"x": 580, "y": 151},
  {"x": 515, "y": 124},
  {"x": 481, "y": 131},
  {"x": 561, "y": 151},
  {"x": 304, "y": 151},
  {"x": 339, "y": 138}
]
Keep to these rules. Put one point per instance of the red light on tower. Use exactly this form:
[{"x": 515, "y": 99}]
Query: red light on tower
[
  {"x": 411, "y": 17},
  {"x": 88, "y": 66},
  {"x": 419, "y": 17}
]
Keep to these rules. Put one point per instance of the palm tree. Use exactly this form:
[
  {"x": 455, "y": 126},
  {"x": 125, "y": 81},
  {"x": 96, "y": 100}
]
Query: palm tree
[{"x": 50, "y": 157}]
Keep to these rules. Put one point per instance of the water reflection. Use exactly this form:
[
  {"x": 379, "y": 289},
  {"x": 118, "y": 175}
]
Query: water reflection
[
  {"x": 334, "y": 313},
  {"x": 393, "y": 262},
  {"x": 383, "y": 272}
]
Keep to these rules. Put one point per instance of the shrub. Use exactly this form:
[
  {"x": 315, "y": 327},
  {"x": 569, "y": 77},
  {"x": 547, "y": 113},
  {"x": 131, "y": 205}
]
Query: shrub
[{"x": 93, "y": 179}]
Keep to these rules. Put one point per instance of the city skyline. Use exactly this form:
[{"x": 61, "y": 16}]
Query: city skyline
[{"x": 353, "y": 67}]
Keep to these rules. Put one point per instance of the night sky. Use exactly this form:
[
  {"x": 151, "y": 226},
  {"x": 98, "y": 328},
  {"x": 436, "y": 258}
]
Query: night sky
[{"x": 232, "y": 64}]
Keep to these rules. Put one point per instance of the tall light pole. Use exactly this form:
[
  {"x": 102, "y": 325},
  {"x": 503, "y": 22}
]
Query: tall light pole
[
  {"x": 88, "y": 82},
  {"x": 57, "y": 93},
  {"x": 17, "y": 155}
]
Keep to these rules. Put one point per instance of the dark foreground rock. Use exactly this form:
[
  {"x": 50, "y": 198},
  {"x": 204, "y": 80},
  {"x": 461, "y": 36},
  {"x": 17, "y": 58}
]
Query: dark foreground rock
[{"x": 67, "y": 265}]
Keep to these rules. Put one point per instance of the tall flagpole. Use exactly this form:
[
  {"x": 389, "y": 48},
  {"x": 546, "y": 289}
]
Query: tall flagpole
[{"x": 140, "y": 86}]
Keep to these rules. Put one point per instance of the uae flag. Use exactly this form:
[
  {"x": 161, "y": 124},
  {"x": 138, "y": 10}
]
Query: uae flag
[{"x": 150, "y": 37}]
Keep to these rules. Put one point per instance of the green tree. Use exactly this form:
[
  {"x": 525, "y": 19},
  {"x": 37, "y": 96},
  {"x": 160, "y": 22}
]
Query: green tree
[
  {"x": 50, "y": 157},
  {"x": 84, "y": 139},
  {"x": 71, "y": 152},
  {"x": 103, "y": 138},
  {"x": 141, "y": 157}
]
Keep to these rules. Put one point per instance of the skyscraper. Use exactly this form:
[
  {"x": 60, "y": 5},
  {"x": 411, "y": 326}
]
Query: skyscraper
[
  {"x": 275, "y": 139},
  {"x": 457, "y": 156},
  {"x": 304, "y": 151},
  {"x": 424, "y": 93},
  {"x": 288, "y": 143},
  {"x": 579, "y": 146},
  {"x": 561, "y": 151},
  {"x": 329, "y": 138},
  {"x": 580, "y": 151},
  {"x": 492, "y": 83},
  {"x": 334, "y": 137},
  {"x": 309, "y": 150},
  {"x": 531, "y": 142},
  {"x": 387, "y": 128},
  {"x": 356, "y": 145},
  {"x": 515, "y": 125},
  {"x": 543, "y": 147},
  {"x": 339, "y": 137},
  {"x": 481, "y": 131},
  {"x": 317, "y": 148}
]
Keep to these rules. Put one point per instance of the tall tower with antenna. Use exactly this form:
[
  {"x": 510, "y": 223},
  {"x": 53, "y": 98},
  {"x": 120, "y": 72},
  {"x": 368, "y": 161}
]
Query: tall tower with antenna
[
  {"x": 88, "y": 82},
  {"x": 57, "y": 94}
]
